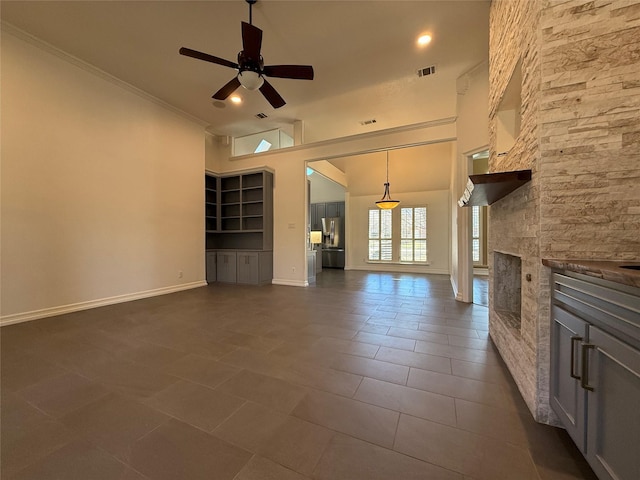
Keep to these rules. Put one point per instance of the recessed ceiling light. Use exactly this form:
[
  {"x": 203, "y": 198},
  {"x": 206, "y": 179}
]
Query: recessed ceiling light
[
  {"x": 424, "y": 39},
  {"x": 236, "y": 99}
]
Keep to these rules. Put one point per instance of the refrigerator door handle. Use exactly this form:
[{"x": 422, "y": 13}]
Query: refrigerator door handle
[{"x": 333, "y": 231}]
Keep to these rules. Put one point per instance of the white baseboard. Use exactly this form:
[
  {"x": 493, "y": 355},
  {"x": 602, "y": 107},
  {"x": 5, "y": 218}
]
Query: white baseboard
[
  {"x": 76, "y": 307},
  {"x": 290, "y": 283}
]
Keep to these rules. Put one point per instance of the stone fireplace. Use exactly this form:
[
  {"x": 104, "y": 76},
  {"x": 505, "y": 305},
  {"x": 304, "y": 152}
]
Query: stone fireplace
[{"x": 564, "y": 102}]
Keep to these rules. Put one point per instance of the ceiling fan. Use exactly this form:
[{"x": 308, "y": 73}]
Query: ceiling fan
[{"x": 251, "y": 67}]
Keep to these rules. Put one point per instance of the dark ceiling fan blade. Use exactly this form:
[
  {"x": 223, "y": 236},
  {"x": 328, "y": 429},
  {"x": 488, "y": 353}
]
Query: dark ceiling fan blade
[
  {"x": 271, "y": 95},
  {"x": 207, "y": 58},
  {"x": 227, "y": 90},
  {"x": 251, "y": 40},
  {"x": 298, "y": 72}
]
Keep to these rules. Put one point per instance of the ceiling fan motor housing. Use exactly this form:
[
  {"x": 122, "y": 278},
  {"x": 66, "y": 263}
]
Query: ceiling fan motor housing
[{"x": 251, "y": 64}]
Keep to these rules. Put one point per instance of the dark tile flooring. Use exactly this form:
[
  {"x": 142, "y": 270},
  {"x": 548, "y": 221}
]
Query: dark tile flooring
[
  {"x": 481, "y": 290},
  {"x": 362, "y": 376}
]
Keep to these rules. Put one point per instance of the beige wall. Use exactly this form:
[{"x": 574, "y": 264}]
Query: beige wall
[{"x": 102, "y": 189}]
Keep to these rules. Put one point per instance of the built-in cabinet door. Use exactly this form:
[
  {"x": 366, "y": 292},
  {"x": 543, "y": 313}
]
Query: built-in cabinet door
[
  {"x": 567, "y": 397},
  {"x": 226, "y": 270},
  {"x": 335, "y": 209},
  {"x": 321, "y": 213},
  {"x": 212, "y": 266},
  {"x": 613, "y": 404},
  {"x": 313, "y": 222},
  {"x": 332, "y": 209},
  {"x": 248, "y": 268}
]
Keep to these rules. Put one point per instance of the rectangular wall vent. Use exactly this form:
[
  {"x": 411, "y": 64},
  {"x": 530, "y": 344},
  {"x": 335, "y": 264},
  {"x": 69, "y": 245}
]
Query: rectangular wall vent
[
  {"x": 423, "y": 72},
  {"x": 368, "y": 122},
  {"x": 261, "y": 115}
]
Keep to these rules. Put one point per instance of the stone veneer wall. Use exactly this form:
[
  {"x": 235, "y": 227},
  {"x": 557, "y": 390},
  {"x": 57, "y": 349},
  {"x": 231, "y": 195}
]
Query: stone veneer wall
[
  {"x": 514, "y": 220},
  {"x": 580, "y": 136}
]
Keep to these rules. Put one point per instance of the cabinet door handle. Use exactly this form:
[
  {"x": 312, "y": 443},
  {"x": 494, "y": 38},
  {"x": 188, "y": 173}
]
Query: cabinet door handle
[
  {"x": 573, "y": 357},
  {"x": 584, "y": 382}
]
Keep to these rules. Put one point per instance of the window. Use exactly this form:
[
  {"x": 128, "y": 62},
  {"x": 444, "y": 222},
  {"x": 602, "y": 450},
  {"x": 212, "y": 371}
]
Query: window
[
  {"x": 413, "y": 234},
  {"x": 380, "y": 235},
  {"x": 478, "y": 236},
  {"x": 403, "y": 238},
  {"x": 475, "y": 233}
]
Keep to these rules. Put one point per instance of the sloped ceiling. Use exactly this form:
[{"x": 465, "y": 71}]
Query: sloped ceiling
[{"x": 412, "y": 169}]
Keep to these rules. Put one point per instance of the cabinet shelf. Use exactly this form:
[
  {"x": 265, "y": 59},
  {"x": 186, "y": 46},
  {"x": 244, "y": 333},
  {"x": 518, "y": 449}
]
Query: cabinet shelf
[{"x": 491, "y": 187}]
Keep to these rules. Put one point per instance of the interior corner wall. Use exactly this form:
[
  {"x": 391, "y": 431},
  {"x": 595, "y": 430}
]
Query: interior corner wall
[{"x": 102, "y": 189}]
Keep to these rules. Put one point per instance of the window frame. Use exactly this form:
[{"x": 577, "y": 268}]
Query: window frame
[{"x": 396, "y": 236}]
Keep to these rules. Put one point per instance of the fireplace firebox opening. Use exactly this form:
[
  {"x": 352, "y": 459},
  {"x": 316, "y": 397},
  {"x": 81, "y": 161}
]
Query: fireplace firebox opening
[{"x": 507, "y": 288}]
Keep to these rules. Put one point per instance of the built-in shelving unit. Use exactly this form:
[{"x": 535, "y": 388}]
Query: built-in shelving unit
[
  {"x": 240, "y": 243},
  {"x": 211, "y": 203},
  {"x": 490, "y": 187}
]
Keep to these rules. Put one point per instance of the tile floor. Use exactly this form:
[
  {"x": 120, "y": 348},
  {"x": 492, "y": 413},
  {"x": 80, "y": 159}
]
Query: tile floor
[{"x": 362, "y": 376}]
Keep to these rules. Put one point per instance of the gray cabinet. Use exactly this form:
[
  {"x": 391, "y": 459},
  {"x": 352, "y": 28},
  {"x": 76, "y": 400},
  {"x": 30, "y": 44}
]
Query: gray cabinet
[
  {"x": 324, "y": 210},
  {"x": 595, "y": 371},
  {"x": 612, "y": 377},
  {"x": 227, "y": 267},
  {"x": 567, "y": 398},
  {"x": 248, "y": 268},
  {"x": 318, "y": 212},
  {"x": 212, "y": 266},
  {"x": 335, "y": 209}
]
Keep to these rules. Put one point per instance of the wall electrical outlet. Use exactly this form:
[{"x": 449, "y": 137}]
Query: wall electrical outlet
[
  {"x": 180, "y": 274},
  {"x": 293, "y": 269}
]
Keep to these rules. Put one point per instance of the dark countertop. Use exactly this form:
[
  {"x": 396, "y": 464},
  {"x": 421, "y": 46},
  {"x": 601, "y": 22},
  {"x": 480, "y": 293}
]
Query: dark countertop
[{"x": 605, "y": 269}]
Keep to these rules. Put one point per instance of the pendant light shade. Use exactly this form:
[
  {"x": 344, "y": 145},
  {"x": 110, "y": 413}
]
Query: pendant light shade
[{"x": 386, "y": 203}]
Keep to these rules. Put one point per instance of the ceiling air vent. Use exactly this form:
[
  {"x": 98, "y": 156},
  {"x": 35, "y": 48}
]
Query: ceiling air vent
[
  {"x": 423, "y": 72},
  {"x": 368, "y": 122},
  {"x": 261, "y": 115}
]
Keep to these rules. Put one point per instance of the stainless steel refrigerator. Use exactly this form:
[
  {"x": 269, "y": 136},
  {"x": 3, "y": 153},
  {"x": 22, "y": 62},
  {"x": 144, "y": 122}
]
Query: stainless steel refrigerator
[{"x": 333, "y": 242}]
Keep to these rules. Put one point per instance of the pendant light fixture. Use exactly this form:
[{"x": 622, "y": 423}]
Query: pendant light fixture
[{"x": 385, "y": 202}]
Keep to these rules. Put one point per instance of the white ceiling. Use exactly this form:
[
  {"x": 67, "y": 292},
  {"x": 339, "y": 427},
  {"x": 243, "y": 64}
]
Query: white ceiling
[{"x": 363, "y": 52}]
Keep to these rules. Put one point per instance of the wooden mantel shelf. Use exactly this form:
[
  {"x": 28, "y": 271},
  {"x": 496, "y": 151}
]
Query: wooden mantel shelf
[{"x": 491, "y": 187}]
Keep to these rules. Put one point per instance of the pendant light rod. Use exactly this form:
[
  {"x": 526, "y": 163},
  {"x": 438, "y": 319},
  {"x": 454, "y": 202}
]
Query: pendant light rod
[
  {"x": 251, "y": 2},
  {"x": 386, "y": 203}
]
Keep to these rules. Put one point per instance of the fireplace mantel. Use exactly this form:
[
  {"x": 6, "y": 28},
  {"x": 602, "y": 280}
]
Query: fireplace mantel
[{"x": 490, "y": 187}]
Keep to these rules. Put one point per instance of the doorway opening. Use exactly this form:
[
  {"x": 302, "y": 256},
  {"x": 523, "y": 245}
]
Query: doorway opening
[{"x": 479, "y": 224}]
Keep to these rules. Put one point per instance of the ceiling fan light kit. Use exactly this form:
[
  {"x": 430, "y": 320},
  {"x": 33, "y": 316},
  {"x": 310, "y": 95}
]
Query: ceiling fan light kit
[
  {"x": 251, "y": 67},
  {"x": 250, "y": 80}
]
